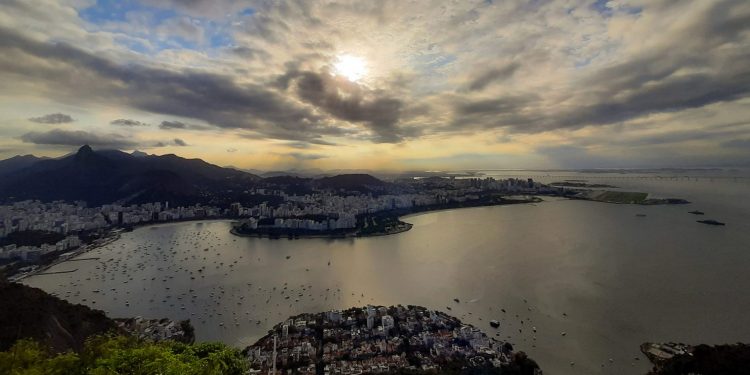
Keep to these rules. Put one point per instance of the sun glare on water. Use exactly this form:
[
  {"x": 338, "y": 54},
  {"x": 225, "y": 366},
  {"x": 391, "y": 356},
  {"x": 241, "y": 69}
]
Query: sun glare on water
[{"x": 351, "y": 67}]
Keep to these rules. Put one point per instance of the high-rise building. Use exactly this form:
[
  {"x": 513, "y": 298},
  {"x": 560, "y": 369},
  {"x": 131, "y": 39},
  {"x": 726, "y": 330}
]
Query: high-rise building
[{"x": 388, "y": 323}]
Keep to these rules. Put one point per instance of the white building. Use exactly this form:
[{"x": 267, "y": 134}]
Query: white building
[{"x": 387, "y": 322}]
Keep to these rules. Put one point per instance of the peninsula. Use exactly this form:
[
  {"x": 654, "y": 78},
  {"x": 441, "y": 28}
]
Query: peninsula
[
  {"x": 379, "y": 339},
  {"x": 377, "y": 223}
]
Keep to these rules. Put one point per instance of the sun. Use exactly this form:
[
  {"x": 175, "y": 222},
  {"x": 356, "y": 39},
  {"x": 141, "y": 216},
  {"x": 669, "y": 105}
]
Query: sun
[{"x": 351, "y": 67}]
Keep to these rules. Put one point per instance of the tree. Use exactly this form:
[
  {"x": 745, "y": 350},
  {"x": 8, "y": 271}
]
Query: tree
[{"x": 104, "y": 355}]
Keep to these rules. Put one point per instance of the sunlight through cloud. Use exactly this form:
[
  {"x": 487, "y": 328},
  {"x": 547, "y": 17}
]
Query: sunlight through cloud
[{"x": 351, "y": 67}]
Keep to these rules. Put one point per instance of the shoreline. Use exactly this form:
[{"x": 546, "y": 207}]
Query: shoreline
[
  {"x": 407, "y": 227},
  {"x": 114, "y": 234},
  {"x": 109, "y": 238}
]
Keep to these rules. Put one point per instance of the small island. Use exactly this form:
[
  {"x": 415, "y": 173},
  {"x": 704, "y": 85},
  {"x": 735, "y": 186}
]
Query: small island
[
  {"x": 581, "y": 184},
  {"x": 711, "y": 222},
  {"x": 622, "y": 197}
]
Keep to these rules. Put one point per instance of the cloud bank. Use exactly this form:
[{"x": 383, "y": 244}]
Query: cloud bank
[
  {"x": 59, "y": 137},
  {"x": 53, "y": 118},
  {"x": 602, "y": 79}
]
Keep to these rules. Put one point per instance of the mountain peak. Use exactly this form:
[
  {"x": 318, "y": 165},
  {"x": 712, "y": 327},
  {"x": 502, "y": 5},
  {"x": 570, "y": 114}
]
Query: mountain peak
[
  {"x": 85, "y": 150},
  {"x": 85, "y": 153},
  {"x": 106, "y": 176}
]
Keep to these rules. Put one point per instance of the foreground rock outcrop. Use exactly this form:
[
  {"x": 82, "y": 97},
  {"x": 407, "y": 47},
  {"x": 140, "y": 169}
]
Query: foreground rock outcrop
[
  {"x": 678, "y": 359},
  {"x": 31, "y": 313},
  {"x": 56, "y": 324}
]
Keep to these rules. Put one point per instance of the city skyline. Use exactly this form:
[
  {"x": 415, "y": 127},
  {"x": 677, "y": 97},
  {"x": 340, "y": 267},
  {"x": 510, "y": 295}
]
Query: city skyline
[{"x": 383, "y": 85}]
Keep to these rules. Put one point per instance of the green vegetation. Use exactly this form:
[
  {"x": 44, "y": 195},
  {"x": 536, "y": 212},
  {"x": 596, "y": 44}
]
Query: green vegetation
[
  {"x": 123, "y": 355},
  {"x": 377, "y": 224},
  {"x": 621, "y": 197}
]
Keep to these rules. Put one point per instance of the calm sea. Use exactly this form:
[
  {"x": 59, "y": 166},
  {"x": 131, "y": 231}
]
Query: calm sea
[{"x": 606, "y": 278}]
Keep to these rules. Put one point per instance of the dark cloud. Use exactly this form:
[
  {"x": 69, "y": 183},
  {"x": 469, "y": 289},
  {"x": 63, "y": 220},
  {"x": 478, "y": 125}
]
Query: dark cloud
[
  {"x": 674, "y": 93},
  {"x": 493, "y": 106},
  {"x": 321, "y": 142},
  {"x": 53, "y": 118},
  {"x": 59, "y": 137},
  {"x": 684, "y": 136},
  {"x": 705, "y": 67},
  {"x": 610, "y": 99},
  {"x": 487, "y": 77},
  {"x": 250, "y": 53},
  {"x": 167, "y": 125},
  {"x": 173, "y": 125},
  {"x": 175, "y": 142},
  {"x": 213, "y": 98},
  {"x": 302, "y": 156},
  {"x": 512, "y": 111},
  {"x": 348, "y": 101},
  {"x": 127, "y": 122},
  {"x": 743, "y": 144},
  {"x": 310, "y": 144},
  {"x": 291, "y": 135},
  {"x": 299, "y": 145}
]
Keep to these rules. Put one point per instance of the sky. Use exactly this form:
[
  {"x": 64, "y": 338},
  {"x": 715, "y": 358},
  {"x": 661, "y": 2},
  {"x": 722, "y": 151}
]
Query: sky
[{"x": 381, "y": 85}]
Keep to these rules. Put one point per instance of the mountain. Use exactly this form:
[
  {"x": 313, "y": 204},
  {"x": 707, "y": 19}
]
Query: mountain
[
  {"x": 284, "y": 180},
  {"x": 354, "y": 182},
  {"x": 291, "y": 184},
  {"x": 107, "y": 176},
  {"x": 31, "y": 313},
  {"x": 16, "y": 163},
  {"x": 279, "y": 174}
]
